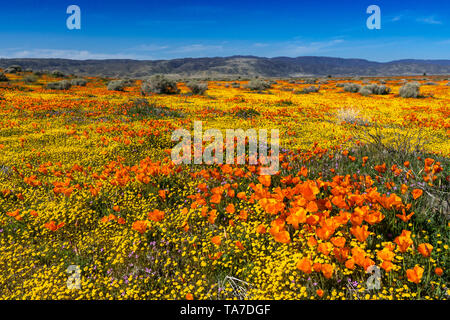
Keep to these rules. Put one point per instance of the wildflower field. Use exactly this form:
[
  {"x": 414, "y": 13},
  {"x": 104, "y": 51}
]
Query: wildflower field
[{"x": 87, "y": 180}]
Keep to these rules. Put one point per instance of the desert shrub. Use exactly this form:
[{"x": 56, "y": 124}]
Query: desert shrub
[
  {"x": 13, "y": 69},
  {"x": 309, "y": 89},
  {"x": 365, "y": 91},
  {"x": 351, "y": 115},
  {"x": 38, "y": 73},
  {"x": 246, "y": 113},
  {"x": 159, "y": 84},
  {"x": 352, "y": 87},
  {"x": 340, "y": 85},
  {"x": 57, "y": 74},
  {"x": 140, "y": 108},
  {"x": 30, "y": 78},
  {"x": 258, "y": 85},
  {"x": 227, "y": 85},
  {"x": 59, "y": 85},
  {"x": 410, "y": 90},
  {"x": 309, "y": 81},
  {"x": 430, "y": 83},
  {"x": 323, "y": 81},
  {"x": 382, "y": 81},
  {"x": 128, "y": 82},
  {"x": 3, "y": 77},
  {"x": 197, "y": 87},
  {"x": 78, "y": 82},
  {"x": 235, "y": 85},
  {"x": 116, "y": 85},
  {"x": 374, "y": 89}
]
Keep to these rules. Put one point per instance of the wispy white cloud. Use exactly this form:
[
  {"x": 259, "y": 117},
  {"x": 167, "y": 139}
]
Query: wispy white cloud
[
  {"x": 429, "y": 20},
  {"x": 411, "y": 16},
  {"x": 63, "y": 54}
]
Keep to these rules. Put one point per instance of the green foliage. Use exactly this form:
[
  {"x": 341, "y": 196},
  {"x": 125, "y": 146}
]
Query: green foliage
[
  {"x": 410, "y": 90},
  {"x": 78, "y": 82},
  {"x": 116, "y": 85},
  {"x": 258, "y": 85},
  {"x": 197, "y": 87},
  {"x": 159, "y": 84},
  {"x": 3, "y": 77},
  {"x": 352, "y": 87},
  {"x": 59, "y": 85}
]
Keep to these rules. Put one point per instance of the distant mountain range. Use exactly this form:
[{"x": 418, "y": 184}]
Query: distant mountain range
[{"x": 245, "y": 66}]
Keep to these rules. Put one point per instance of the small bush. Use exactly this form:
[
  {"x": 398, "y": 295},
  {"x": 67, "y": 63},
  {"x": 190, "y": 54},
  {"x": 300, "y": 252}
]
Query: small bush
[
  {"x": 350, "y": 115},
  {"x": 159, "y": 84},
  {"x": 246, "y": 113},
  {"x": 30, "y": 78},
  {"x": 116, "y": 85},
  {"x": 57, "y": 74},
  {"x": 258, "y": 85},
  {"x": 430, "y": 83},
  {"x": 352, "y": 87},
  {"x": 197, "y": 87},
  {"x": 310, "y": 81},
  {"x": 141, "y": 108},
  {"x": 78, "y": 82},
  {"x": 13, "y": 69},
  {"x": 365, "y": 91},
  {"x": 374, "y": 89},
  {"x": 59, "y": 85},
  {"x": 410, "y": 90},
  {"x": 309, "y": 89},
  {"x": 235, "y": 85},
  {"x": 3, "y": 77}
]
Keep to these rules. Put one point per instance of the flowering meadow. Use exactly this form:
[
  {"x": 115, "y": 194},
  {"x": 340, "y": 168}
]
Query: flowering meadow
[{"x": 86, "y": 179}]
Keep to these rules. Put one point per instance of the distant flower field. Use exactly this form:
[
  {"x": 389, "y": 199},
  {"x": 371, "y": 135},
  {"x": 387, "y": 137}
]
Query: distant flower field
[{"x": 86, "y": 179}]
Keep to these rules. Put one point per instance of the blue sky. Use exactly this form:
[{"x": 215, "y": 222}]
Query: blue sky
[{"x": 168, "y": 29}]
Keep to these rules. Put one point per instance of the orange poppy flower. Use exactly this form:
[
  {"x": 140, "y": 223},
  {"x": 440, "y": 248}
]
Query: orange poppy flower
[
  {"x": 385, "y": 254},
  {"x": 325, "y": 248},
  {"x": 239, "y": 245},
  {"x": 312, "y": 242},
  {"x": 404, "y": 241},
  {"x": 304, "y": 265},
  {"x": 438, "y": 271},
  {"x": 338, "y": 241},
  {"x": 425, "y": 249},
  {"x": 387, "y": 266},
  {"x": 140, "y": 226},
  {"x": 360, "y": 233},
  {"x": 404, "y": 217},
  {"x": 415, "y": 275},
  {"x": 404, "y": 188},
  {"x": 156, "y": 215},
  {"x": 317, "y": 267},
  {"x": 265, "y": 180},
  {"x": 319, "y": 292},
  {"x": 261, "y": 229},
  {"x": 327, "y": 270},
  {"x": 297, "y": 215},
  {"x": 189, "y": 296},
  {"x": 416, "y": 193},
  {"x": 230, "y": 208},
  {"x": 350, "y": 264},
  {"x": 216, "y": 240}
]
